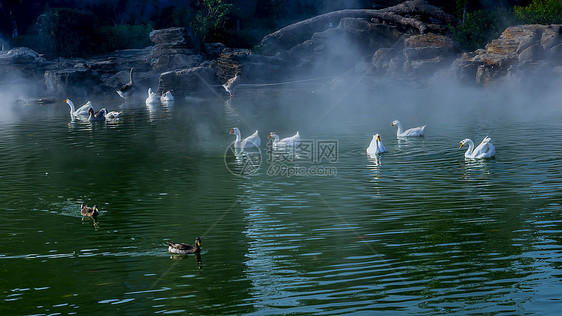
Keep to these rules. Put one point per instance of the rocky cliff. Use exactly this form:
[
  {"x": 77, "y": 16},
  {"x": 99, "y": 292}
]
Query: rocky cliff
[{"x": 406, "y": 41}]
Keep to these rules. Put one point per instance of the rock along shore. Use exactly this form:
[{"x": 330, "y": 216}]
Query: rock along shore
[{"x": 375, "y": 43}]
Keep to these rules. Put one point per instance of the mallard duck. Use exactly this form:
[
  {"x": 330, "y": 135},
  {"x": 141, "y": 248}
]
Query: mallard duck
[
  {"x": 231, "y": 84},
  {"x": 184, "y": 249},
  {"x": 376, "y": 146},
  {"x": 484, "y": 150},
  {"x": 250, "y": 141},
  {"x": 89, "y": 211},
  {"x": 167, "y": 97},
  {"x": 97, "y": 116},
  {"x": 152, "y": 98},
  {"x": 415, "y": 131},
  {"x": 81, "y": 111},
  {"x": 127, "y": 89},
  {"x": 287, "y": 142}
]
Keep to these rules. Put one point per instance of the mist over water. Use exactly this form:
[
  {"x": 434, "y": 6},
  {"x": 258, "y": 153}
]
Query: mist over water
[{"x": 418, "y": 230}]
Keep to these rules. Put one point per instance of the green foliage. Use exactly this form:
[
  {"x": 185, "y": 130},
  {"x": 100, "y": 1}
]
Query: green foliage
[
  {"x": 171, "y": 17},
  {"x": 73, "y": 33},
  {"x": 67, "y": 32},
  {"x": 540, "y": 12},
  {"x": 479, "y": 28},
  {"x": 210, "y": 20},
  {"x": 123, "y": 37}
]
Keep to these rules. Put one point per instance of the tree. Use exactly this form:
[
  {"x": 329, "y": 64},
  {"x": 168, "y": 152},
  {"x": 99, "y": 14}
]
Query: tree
[
  {"x": 540, "y": 12},
  {"x": 210, "y": 19},
  {"x": 67, "y": 32}
]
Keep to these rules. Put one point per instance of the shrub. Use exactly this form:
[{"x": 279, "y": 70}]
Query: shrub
[
  {"x": 67, "y": 32},
  {"x": 479, "y": 28},
  {"x": 210, "y": 20},
  {"x": 122, "y": 37},
  {"x": 540, "y": 12}
]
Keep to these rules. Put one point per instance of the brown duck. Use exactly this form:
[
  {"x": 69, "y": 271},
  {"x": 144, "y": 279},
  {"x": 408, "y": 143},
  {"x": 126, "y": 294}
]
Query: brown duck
[
  {"x": 184, "y": 249},
  {"x": 89, "y": 211}
]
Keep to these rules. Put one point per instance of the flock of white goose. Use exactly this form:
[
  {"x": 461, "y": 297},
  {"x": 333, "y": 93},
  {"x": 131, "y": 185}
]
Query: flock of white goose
[
  {"x": 484, "y": 150},
  {"x": 254, "y": 141},
  {"x": 87, "y": 112},
  {"x": 376, "y": 147}
]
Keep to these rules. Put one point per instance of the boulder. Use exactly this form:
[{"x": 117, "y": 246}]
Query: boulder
[
  {"x": 22, "y": 62},
  {"x": 517, "y": 48},
  {"x": 176, "y": 36},
  {"x": 230, "y": 62},
  {"x": 174, "y": 49},
  {"x": 99, "y": 74},
  {"x": 70, "y": 81}
]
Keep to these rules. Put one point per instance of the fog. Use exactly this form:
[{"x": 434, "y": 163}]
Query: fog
[{"x": 356, "y": 96}]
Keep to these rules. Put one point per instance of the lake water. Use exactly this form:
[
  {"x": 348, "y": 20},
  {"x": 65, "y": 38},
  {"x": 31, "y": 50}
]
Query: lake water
[{"x": 419, "y": 230}]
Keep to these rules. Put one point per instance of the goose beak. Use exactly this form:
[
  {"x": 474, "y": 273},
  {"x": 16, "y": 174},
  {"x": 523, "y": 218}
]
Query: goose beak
[
  {"x": 392, "y": 124},
  {"x": 461, "y": 145},
  {"x": 232, "y": 131}
]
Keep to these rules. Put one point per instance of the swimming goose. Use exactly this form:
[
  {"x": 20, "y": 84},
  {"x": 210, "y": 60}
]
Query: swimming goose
[
  {"x": 376, "y": 146},
  {"x": 484, "y": 150},
  {"x": 81, "y": 111},
  {"x": 89, "y": 211},
  {"x": 152, "y": 98},
  {"x": 184, "y": 249},
  {"x": 167, "y": 97},
  {"x": 415, "y": 131},
  {"x": 112, "y": 115},
  {"x": 231, "y": 84},
  {"x": 127, "y": 89},
  {"x": 248, "y": 142},
  {"x": 287, "y": 142},
  {"x": 97, "y": 116}
]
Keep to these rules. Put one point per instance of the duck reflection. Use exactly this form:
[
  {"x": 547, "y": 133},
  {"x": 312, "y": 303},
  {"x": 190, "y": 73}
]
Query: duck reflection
[{"x": 197, "y": 256}]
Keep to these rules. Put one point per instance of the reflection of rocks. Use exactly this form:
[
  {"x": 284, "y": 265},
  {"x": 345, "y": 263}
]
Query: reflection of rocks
[{"x": 519, "y": 48}]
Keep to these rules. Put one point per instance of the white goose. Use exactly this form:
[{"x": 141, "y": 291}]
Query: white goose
[
  {"x": 231, "y": 84},
  {"x": 415, "y": 131},
  {"x": 248, "y": 142},
  {"x": 484, "y": 150},
  {"x": 287, "y": 142},
  {"x": 376, "y": 146},
  {"x": 81, "y": 111},
  {"x": 152, "y": 98},
  {"x": 167, "y": 97},
  {"x": 112, "y": 115}
]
